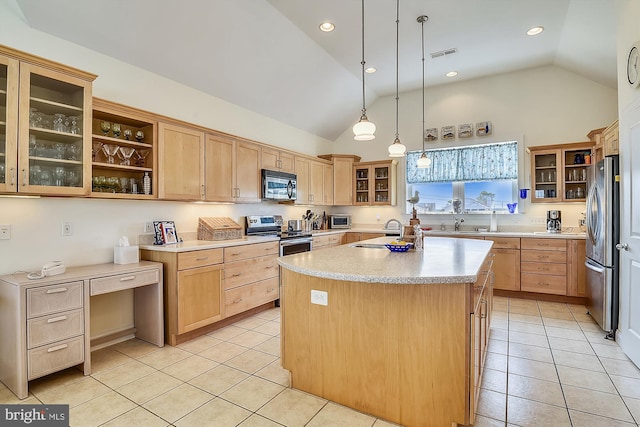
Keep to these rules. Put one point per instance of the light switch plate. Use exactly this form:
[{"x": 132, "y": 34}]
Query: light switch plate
[
  {"x": 5, "y": 231},
  {"x": 319, "y": 297}
]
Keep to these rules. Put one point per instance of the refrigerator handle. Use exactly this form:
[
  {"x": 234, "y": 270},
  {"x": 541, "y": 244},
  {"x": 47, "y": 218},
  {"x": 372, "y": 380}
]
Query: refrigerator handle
[{"x": 594, "y": 267}]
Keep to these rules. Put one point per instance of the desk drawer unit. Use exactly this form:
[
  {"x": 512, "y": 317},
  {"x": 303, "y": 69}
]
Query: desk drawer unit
[
  {"x": 55, "y": 327},
  {"x": 55, "y": 298},
  {"x": 54, "y": 357},
  {"x": 119, "y": 282}
]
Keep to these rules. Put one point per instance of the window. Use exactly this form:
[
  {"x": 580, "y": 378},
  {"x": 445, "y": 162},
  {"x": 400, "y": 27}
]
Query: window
[{"x": 472, "y": 179}]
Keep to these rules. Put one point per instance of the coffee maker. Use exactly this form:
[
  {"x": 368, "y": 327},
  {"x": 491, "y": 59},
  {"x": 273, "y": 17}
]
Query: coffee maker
[{"x": 554, "y": 221}]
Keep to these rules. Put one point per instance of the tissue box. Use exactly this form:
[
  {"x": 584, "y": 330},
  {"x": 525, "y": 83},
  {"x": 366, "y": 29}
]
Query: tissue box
[{"x": 126, "y": 255}]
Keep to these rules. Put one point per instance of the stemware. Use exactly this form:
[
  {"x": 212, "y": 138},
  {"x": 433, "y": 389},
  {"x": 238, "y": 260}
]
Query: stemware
[
  {"x": 58, "y": 122},
  {"x": 127, "y": 134},
  {"x": 45, "y": 177},
  {"x": 58, "y": 176},
  {"x": 33, "y": 143},
  {"x": 96, "y": 148},
  {"x": 72, "y": 178},
  {"x": 141, "y": 156},
  {"x": 2, "y": 172},
  {"x": 116, "y": 129},
  {"x": 105, "y": 127},
  {"x": 124, "y": 183},
  {"x": 113, "y": 184},
  {"x": 125, "y": 154},
  {"x": 110, "y": 151},
  {"x": 34, "y": 175},
  {"x": 73, "y": 152},
  {"x": 74, "y": 126},
  {"x": 59, "y": 149},
  {"x": 139, "y": 136}
]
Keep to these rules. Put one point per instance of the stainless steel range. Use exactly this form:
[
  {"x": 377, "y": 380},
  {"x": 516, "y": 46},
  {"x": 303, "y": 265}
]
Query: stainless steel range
[{"x": 291, "y": 242}]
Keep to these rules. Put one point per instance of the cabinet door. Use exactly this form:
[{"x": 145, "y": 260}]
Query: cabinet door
[
  {"x": 180, "y": 162},
  {"x": 47, "y": 101},
  {"x": 270, "y": 159},
  {"x": 361, "y": 185},
  {"x": 576, "y": 271},
  {"x": 199, "y": 297},
  {"x": 342, "y": 181},
  {"x": 219, "y": 174},
  {"x": 380, "y": 185},
  {"x": 9, "y": 76},
  {"x": 247, "y": 166},
  {"x": 328, "y": 185},
  {"x": 575, "y": 173},
  {"x": 545, "y": 173},
  {"x": 506, "y": 268},
  {"x": 287, "y": 162},
  {"x": 352, "y": 237},
  {"x": 316, "y": 183},
  {"x": 302, "y": 175}
]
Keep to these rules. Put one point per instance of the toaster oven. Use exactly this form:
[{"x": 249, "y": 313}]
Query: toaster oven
[{"x": 339, "y": 221}]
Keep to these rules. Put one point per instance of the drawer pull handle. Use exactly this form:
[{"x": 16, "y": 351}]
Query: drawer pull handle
[
  {"x": 543, "y": 284},
  {"x": 58, "y": 347},
  {"x": 235, "y": 254},
  {"x": 202, "y": 259},
  {"x": 56, "y": 319},
  {"x": 56, "y": 291},
  {"x": 270, "y": 290},
  {"x": 269, "y": 266},
  {"x": 236, "y": 301},
  {"x": 126, "y": 279},
  {"x": 236, "y": 275}
]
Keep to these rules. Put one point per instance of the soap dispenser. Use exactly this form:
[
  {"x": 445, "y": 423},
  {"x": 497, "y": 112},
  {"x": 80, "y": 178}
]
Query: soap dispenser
[{"x": 494, "y": 222}]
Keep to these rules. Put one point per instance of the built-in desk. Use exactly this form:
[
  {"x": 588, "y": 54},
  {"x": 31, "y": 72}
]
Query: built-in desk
[{"x": 45, "y": 323}]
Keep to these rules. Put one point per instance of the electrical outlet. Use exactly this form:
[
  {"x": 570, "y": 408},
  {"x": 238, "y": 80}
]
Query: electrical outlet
[
  {"x": 5, "y": 231},
  {"x": 148, "y": 227},
  {"x": 319, "y": 297},
  {"x": 67, "y": 228}
]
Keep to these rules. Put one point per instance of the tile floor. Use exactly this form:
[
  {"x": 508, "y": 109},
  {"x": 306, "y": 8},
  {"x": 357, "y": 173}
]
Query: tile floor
[{"x": 547, "y": 365}]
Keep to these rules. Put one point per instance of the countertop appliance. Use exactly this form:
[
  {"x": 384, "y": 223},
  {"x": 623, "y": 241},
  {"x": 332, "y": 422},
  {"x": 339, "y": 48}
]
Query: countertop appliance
[
  {"x": 339, "y": 221},
  {"x": 554, "y": 221},
  {"x": 291, "y": 242},
  {"x": 603, "y": 233},
  {"x": 278, "y": 185}
]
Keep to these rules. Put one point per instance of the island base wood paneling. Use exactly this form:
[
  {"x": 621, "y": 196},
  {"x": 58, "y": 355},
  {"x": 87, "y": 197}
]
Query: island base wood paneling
[{"x": 399, "y": 352}]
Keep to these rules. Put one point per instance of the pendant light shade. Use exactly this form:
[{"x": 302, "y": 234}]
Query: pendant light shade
[
  {"x": 423, "y": 161},
  {"x": 363, "y": 130},
  {"x": 397, "y": 149}
]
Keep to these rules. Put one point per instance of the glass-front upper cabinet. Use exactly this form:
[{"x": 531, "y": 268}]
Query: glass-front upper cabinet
[{"x": 45, "y": 126}]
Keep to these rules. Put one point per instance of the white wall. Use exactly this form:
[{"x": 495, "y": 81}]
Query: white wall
[{"x": 540, "y": 106}]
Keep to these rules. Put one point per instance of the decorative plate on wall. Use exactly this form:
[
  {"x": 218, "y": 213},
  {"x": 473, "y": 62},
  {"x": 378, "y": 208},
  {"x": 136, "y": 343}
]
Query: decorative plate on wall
[
  {"x": 483, "y": 128},
  {"x": 431, "y": 134},
  {"x": 448, "y": 132},
  {"x": 465, "y": 130}
]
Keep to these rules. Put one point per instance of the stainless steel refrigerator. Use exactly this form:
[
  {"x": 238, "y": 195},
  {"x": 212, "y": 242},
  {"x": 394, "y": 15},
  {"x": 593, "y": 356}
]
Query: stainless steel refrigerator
[{"x": 603, "y": 233}]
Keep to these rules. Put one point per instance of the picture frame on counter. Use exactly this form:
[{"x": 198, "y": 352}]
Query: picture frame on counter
[{"x": 165, "y": 232}]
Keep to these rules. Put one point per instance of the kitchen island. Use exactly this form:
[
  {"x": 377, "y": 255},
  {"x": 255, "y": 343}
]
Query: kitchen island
[{"x": 401, "y": 336}]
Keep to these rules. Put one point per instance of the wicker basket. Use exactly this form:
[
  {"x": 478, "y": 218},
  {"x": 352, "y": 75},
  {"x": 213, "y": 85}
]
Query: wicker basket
[{"x": 218, "y": 228}]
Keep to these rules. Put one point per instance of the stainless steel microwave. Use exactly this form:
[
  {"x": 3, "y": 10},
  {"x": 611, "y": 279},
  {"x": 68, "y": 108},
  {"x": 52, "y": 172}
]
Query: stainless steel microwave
[
  {"x": 278, "y": 185},
  {"x": 339, "y": 221}
]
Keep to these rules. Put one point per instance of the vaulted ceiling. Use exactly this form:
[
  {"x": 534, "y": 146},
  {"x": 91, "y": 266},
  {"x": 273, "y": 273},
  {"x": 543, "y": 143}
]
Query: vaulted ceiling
[{"x": 270, "y": 57}]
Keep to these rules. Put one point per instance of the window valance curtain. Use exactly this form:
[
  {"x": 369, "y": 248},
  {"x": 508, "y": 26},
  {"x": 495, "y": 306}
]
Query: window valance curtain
[{"x": 472, "y": 163}]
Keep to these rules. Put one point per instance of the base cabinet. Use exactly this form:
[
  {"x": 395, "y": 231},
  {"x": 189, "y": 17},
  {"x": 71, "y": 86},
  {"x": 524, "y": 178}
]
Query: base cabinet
[
  {"x": 544, "y": 266},
  {"x": 352, "y": 237},
  {"x": 199, "y": 297},
  {"x": 506, "y": 262},
  {"x": 328, "y": 240}
]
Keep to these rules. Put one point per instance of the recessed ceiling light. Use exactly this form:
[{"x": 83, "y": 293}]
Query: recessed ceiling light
[
  {"x": 534, "y": 31},
  {"x": 370, "y": 70},
  {"x": 327, "y": 27},
  {"x": 452, "y": 74}
]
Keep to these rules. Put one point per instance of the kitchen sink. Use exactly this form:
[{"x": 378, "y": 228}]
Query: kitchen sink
[{"x": 369, "y": 245}]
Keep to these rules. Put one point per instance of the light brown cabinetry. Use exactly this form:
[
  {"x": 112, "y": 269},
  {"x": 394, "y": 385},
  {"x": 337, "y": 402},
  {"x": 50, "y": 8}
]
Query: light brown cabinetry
[
  {"x": 328, "y": 189},
  {"x": 506, "y": 262},
  {"x": 328, "y": 240},
  {"x": 310, "y": 176},
  {"x": 45, "y": 122},
  {"x": 544, "y": 266},
  {"x": 342, "y": 177},
  {"x": 180, "y": 162},
  {"x": 135, "y": 148},
  {"x": 352, "y": 237},
  {"x": 558, "y": 173},
  {"x": 576, "y": 270},
  {"x": 375, "y": 183},
  {"x": 277, "y": 160},
  {"x": 610, "y": 140}
]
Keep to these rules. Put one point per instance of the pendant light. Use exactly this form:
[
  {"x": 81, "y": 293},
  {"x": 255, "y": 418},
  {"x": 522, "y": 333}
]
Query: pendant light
[
  {"x": 363, "y": 130},
  {"x": 397, "y": 149},
  {"x": 423, "y": 161}
]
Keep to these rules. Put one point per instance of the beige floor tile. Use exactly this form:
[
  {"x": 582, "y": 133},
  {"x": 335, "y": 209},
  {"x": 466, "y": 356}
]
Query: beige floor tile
[
  {"x": 560, "y": 323},
  {"x": 565, "y": 315},
  {"x": 270, "y": 314},
  {"x": 107, "y": 358},
  {"x": 8, "y": 398},
  {"x": 74, "y": 393},
  {"x": 494, "y": 380},
  {"x": 218, "y": 379},
  {"x": 249, "y": 339},
  {"x": 524, "y": 351},
  {"x": 624, "y": 368},
  {"x": 269, "y": 328},
  {"x": 497, "y": 346},
  {"x": 251, "y": 361},
  {"x": 577, "y": 360},
  {"x": 54, "y": 380},
  {"x": 529, "y": 339},
  {"x": 599, "y": 338},
  {"x": 216, "y": 413},
  {"x": 525, "y": 318},
  {"x": 627, "y": 386},
  {"x": 334, "y": 415},
  {"x": 531, "y": 311},
  {"x": 577, "y": 308},
  {"x": 500, "y": 306},
  {"x": 586, "y": 379},
  {"x": 518, "y": 302},
  {"x": 590, "y": 326},
  {"x": 137, "y": 417},
  {"x": 499, "y": 334},
  {"x": 178, "y": 402},
  {"x": 252, "y": 393},
  {"x": 383, "y": 423},
  {"x": 227, "y": 332},
  {"x": 532, "y": 369},
  {"x": 612, "y": 352},
  {"x": 250, "y": 322},
  {"x": 199, "y": 344},
  {"x": 256, "y": 420},
  {"x": 124, "y": 374},
  {"x": 492, "y": 404},
  {"x": 100, "y": 410},
  {"x": 570, "y": 345},
  {"x": 530, "y": 328},
  {"x": 146, "y": 388},
  {"x": 497, "y": 323},
  {"x": 499, "y": 315},
  {"x": 584, "y": 318},
  {"x": 596, "y": 403},
  {"x": 487, "y": 422},
  {"x": 222, "y": 352},
  {"x": 292, "y": 408},
  {"x": 581, "y": 419},
  {"x": 496, "y": 362},
  {"x": 190, "y": 367},
  {"x": 274, "y": 372},
  {"x": 554, "y": 306},
  {"x": 135, "y": 348},
  {"x": 528, "y": 413},
  {"x": 271, "y": 346},
  {"x": 165, "y": 357},
  {"x": 533, "y": 389},
  {"x": 570, "y": 334},
  {"x": 634, "y": 407}
]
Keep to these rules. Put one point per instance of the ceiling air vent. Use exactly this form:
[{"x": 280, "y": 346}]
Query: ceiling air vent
[{"x": 444, "y": 52}]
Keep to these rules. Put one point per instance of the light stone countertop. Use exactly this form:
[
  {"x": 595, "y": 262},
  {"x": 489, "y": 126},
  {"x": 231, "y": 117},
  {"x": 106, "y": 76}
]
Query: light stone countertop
[
  {"x": 198, "y": 245},
  {"x": 531, "y": 234},
  {"x": 444, "y": 260},
  {"x": 353, "y": 230}
]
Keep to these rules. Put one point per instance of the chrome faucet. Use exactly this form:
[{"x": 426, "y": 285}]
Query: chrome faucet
[
  {"x": 456, "y": 223},
  {"x": 392, "y": 221}
]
